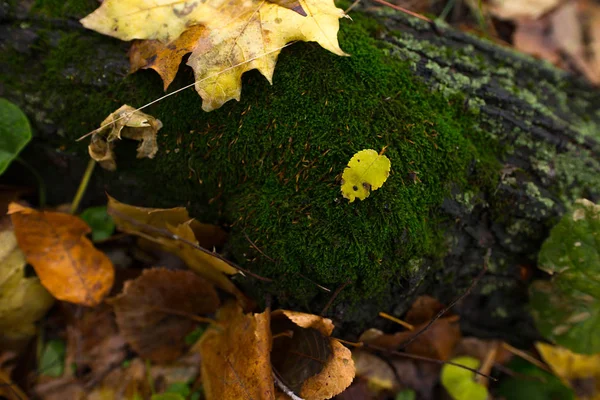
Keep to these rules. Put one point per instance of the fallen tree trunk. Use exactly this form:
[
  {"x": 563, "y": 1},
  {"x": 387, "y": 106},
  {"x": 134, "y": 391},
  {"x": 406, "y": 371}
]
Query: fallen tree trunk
[{"x": 488, "y": 148}]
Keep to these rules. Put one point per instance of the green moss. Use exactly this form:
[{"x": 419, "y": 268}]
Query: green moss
[
  {"x": 269, "y": 166},
  {"x": 65, "y": 8}
]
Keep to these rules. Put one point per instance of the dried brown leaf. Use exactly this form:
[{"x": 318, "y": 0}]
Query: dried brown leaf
[
  {"x": 153, "y": 311},
  {"x": 517, "y": 9},
  {"x": 423, "y": 309},
  {"x": 479, "y": 348},
  {"x": 376, "y": 371},
  {"x": 530, "y": 36},
  {"x": 437, "y": 341},
  {"x": 94, "y": 344},
  {"x": 125, "y": 122}
]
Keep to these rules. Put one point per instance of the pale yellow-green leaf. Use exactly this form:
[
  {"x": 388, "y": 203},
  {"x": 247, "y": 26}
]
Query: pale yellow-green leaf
[
  {"x": 23, "y": 301},
  {"x": 460, "y": 383},
  {"x": 240, "y": 35},
  {"x": 366, "y": 171}
]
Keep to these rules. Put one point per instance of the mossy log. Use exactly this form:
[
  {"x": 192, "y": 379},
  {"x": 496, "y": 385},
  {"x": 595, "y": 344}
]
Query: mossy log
[{"x": 488, "y": 148}]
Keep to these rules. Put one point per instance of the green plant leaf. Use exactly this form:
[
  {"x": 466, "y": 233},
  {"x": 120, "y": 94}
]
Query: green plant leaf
[
  {"x": 194, "y": 335},
  {"x": 101, "y": 223},
  {"x": 52, "y": 362},
  {"x": 460, "y": 383},
  {"x": 532, "y": 383},
  {"x": 181, "y": 388},
  {"x": 15, "y": 132},
  {"x": 167, "y": 396},
  {"x": 406, "y": 394},
  {"x": 566, "y": 308}
]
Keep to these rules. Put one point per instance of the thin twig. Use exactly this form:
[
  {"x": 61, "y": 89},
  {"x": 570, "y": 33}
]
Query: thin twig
[
  {"x": 525, "y": 356},
  {"x": 334, "y": 295},
  {"x": 422, "y": 358},
  {"x": 444, "y": 310},
  {"x": 404, "y": 10},
  {"x": 405, "y": 324},
  {"x": 179, "y": 313},
  {"x": 173, "y": 236},
  {"x": 488, "y": 363},
  {"x": 314, "y": 283},
  {"x": 519, "y": 375},
  {"x": 256, "y": 247},
  {"x": 347, "y": 10}
]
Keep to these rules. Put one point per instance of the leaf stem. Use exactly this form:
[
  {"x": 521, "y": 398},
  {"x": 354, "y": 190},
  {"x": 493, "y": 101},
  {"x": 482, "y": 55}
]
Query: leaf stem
[{"x": 83, "y": 186}]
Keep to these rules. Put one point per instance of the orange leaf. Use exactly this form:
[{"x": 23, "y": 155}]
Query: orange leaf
[
  {"x": 153, "y": 311},
  {"x": 235, "y": 356},
  {"x": 164, "y": 58},
  {"x": 67, "y": 263},
  {"x": 335, "y": 377}
]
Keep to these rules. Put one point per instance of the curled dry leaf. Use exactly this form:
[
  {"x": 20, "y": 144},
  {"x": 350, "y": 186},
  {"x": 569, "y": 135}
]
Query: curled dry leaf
[
  {"x": 153, "y": 312},
  {"x": 306, "y": 359},
  {"x": 67, "y": 262},
  {"x": 147, "y": 224},
  {"x": 235, "y": 356},
  {"x": 126, "y": 122},
  {"x": 23, "y": 300},
  {"x": 241, "y": 36}
]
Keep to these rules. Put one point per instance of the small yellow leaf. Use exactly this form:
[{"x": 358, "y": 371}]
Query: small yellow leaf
[{"x": 366, "y": 171}]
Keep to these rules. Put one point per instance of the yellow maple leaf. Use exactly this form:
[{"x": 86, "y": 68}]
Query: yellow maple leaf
[
  {"x": 579, "y": 371},
  {"x": 239, "y": 36},
  {"x": 366, "y": 171}
]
